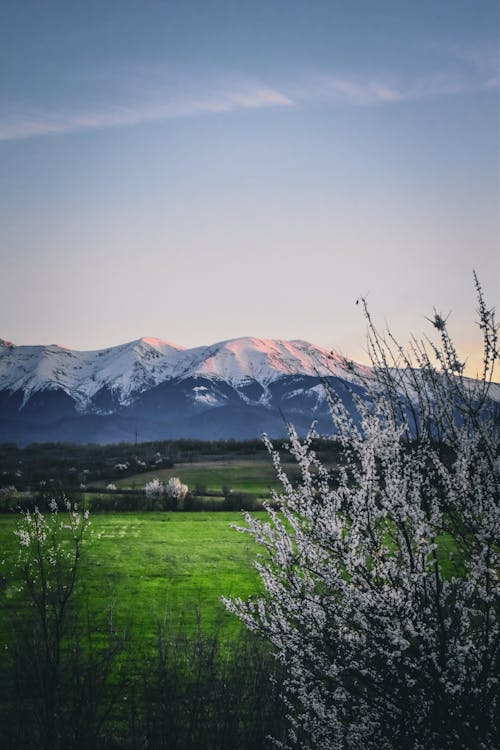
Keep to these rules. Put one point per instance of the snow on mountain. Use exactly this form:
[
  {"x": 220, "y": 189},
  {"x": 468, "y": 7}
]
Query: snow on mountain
[
  {"x": 126, "y": 369},
  {"x": 130, "y": 369},
  {"x": 233, "y": 389},
  {"x": 239, "y": 361}
]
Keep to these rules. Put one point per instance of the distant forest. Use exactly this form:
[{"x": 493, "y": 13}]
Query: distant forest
[{"x": 69, "y": 465}]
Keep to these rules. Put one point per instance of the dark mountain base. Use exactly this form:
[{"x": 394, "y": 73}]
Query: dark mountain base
[{"x": 192, "y": 408}]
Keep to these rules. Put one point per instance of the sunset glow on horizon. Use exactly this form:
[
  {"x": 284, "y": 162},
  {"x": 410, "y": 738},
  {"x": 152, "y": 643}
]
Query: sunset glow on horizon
[{"x": 211, "y": 170}]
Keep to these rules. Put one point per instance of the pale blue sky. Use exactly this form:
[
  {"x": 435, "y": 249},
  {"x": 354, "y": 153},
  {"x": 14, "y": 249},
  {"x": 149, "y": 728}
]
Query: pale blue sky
[{"x": 203, "y": 170}]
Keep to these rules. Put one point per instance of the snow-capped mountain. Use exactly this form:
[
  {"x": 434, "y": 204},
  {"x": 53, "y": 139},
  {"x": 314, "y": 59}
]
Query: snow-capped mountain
[
  {"x": 235, "y": 388},
  {"x": 125, "y": 370},
  {"x": 155, "y": 389},
  {"x": 132, "y": 368}
]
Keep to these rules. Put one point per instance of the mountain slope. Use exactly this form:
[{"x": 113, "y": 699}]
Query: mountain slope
[
  {"x": 232, "y": 389},
  {"x": 133, "y": 368},
  {"x": 236, "y": 388}
]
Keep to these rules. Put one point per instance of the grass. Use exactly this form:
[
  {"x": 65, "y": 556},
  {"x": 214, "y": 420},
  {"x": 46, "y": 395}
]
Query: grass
[
  {"x": 256, "y": 478},
  {"x": 169, "y": 568}
]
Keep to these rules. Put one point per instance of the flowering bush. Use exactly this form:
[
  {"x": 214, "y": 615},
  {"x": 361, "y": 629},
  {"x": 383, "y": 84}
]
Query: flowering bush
[
  {"x": 176, "y": 489},
  {"x": 381, "y": 576},
  {"x": 49, "y": 552},
  {"x": 154, "y": 488},
  {"x": 50, "y": 546},
  {"x": 173, "y": 492}
]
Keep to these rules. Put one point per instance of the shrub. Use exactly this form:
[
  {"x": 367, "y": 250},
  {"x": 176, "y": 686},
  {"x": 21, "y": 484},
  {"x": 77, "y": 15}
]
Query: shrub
[{"x": 382, "y": 583}]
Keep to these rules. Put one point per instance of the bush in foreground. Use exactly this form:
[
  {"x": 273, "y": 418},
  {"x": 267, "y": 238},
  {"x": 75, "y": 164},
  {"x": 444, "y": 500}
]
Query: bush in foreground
[{"x": 382, "y": 580}]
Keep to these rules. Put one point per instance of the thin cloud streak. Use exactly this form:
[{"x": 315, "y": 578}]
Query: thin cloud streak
[
  {"x": 41, "y": 123},
  {"x": 353, "y": 91},
  {"x": 332, "y": 90}
]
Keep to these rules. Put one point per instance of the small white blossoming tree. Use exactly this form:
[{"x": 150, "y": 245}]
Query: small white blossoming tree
[
  {"x": 175, "y": 489},
  {"x": 50, "y": 547},
  {"x": 381, "y": 573},
  {"x": 154, "y": 489}
]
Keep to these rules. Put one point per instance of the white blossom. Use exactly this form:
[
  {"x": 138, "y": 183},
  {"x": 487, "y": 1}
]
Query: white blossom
[
  {"x": 154, "y": 488},
  {"x": 389, "y": 642},
  {"x": 176, "y": 489}
]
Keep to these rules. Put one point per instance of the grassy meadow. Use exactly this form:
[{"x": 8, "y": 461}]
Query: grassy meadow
[
  {"x": 251, "y": 476},
  {"x": 151, "y": 568},
  {"x": 176, "y": 671}
]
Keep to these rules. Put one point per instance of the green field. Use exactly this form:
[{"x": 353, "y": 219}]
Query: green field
[
  {"x": 255, "y": 477},
  {"x": 153, "y": 568},
  {"x": 166, "y": 568}
]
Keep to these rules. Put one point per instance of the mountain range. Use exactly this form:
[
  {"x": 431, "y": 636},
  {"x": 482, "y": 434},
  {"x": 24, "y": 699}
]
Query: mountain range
[{"x": 151, "y": 389}]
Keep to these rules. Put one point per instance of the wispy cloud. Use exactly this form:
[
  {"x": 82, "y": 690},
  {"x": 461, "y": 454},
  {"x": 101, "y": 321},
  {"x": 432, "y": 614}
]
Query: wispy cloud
[
  {"x": 345, "y": 90},
  {"x": 26, "y": 123},
  {"x": 359, "y": 91},
  {"x": 160, "y": 101}
]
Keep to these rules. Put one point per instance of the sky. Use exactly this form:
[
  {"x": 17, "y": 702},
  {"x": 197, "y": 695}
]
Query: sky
[{"x": 202, "y": 170}]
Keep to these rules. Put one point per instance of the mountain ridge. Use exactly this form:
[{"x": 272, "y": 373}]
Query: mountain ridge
[
  {"x": 237, "y": 388},
  {"x": 130, "y": 368}
]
